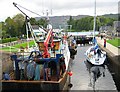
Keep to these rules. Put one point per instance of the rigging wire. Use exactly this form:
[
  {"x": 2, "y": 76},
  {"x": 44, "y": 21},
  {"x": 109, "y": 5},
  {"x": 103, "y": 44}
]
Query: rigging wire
[
  {"x": 47, "y": 12},
  {"x": 15, "y": 4}
]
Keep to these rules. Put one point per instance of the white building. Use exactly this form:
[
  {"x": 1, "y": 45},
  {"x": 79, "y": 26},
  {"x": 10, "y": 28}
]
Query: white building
[{"x": 117, "y": 28}]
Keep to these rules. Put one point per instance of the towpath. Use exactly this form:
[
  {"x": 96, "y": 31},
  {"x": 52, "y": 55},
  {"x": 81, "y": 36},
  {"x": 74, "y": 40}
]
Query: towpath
[{"x": 111, "y": 48}]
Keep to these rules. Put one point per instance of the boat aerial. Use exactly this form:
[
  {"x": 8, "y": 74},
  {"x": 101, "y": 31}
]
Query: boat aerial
[{"x": 47, "y": 68}]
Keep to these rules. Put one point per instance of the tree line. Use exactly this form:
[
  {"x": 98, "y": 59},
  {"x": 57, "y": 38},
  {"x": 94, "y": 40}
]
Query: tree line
[
  {"x": 15, "y": 27},
  {"x": 87, "y": 23}
]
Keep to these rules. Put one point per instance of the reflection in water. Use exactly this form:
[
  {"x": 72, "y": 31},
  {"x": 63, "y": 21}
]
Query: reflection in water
[{"x": 94, "y": 72}]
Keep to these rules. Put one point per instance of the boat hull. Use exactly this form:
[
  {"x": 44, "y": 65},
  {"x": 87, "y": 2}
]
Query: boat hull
[
  {"x": 97, "y": 62},
  {"x": 95, "y": 59},
  {"x": 24, "y": 85},
  {"x": 14, "y": 85}
]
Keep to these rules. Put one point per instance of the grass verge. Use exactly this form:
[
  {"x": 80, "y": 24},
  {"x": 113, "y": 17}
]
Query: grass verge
[
  {"x": 16, "y": 47},
  {"x": 115, "y": 42}
]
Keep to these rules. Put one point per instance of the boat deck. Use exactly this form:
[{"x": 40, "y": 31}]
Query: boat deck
[{"x": 81, "y": 78}]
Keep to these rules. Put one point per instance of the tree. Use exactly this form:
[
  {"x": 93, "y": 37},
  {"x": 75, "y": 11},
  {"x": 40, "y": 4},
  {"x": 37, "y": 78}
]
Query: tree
[
  {"x": 84, "y": 24},
  {"x": 33, "y": 21},
  {"x": 9, "y": 26},
  {"x": 42, "y": 22},
  {"x": 71, "y": 22},
  {"x": 19, "y": 20},
  {"x": 87, "y": 23},
  {"x": 13, "y": 27}
]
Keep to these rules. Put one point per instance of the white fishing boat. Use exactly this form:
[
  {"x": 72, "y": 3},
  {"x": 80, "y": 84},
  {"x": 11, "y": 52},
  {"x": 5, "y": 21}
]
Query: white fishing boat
[{"x": 45, "y": 69}]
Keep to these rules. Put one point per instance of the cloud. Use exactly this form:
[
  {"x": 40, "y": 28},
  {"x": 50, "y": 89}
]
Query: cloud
[{"x": 59, "y": 7}]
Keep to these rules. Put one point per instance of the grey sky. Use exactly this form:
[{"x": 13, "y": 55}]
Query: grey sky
[{"x": 59, "y": 7}]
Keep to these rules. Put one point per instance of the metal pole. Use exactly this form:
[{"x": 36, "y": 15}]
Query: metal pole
[
  {"x": 27, "y": 33},
  {"x": 94, "y": 20},
  {"x": 70, "y": 27},
  {"x": 10, "y": 44}
]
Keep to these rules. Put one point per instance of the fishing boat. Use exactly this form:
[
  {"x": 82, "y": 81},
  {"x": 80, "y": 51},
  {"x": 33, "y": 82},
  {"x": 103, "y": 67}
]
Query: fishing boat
[
  {"x": 45, "y": 69},
  {"x": 94, "y": 54}
]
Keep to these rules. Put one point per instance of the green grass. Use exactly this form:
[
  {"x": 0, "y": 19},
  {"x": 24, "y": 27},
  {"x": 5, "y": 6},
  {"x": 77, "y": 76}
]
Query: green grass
[
  {"x": 17, "y": 46},
  {"x": 24, "y": 44},
  {"x": 72, "y": 30},
  {"x": 114, "y": 42}
]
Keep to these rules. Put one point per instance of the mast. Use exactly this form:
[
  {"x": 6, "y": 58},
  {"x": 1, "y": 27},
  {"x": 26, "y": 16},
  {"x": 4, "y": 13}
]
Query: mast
[{"x": 94, "y": 20}]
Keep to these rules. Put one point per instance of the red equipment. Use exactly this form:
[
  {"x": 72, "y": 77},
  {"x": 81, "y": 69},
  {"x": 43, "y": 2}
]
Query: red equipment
[{"x": 49, "y": 38}]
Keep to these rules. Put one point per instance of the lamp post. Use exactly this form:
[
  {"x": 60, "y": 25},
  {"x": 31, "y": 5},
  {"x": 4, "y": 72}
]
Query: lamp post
[
  {"x": 10, "y": 38},
  {"x": 68, "y": 26},
  {"x": 10, "y": 44}
]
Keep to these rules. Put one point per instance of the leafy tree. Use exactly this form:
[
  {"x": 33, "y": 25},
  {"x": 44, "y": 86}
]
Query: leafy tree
[
  {"x": 42, "y": 22},
  {"x": 19, "y": 20},
  {"x": 106, "y": 21},
  {"x": 87, "y": 23},
  {"x": 71, "y": 22},
  {"x": 9, "y": 27},
  {"x": 33, "y": 21},
  {"x": 13, "y": 27},
  {"x": 16, "y": 26},
  {"x": 84, "y": 24}
]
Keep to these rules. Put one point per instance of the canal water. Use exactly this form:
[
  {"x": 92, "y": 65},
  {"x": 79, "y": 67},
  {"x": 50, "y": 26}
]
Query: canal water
[{"x": 81, "y": 76}]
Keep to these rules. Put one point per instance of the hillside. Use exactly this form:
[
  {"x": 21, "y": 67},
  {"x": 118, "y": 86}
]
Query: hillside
[
  {"x": 114, "y": 16},
  {"x": 58, "y": 21}
]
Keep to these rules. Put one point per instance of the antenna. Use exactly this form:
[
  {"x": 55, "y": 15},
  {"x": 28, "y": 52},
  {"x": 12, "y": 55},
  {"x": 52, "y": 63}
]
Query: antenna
[
  {"x": 51, "y": 11},
  {"x": 51, "y": 7},
  {"x": 43, "y": 7},
  {"x": 94, "y": 20},
  {"x": 47, "y": 11}
]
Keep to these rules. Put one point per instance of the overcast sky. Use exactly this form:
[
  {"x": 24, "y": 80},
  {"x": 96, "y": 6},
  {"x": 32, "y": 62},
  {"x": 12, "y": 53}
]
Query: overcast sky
[{"x": 58, "y": 7}]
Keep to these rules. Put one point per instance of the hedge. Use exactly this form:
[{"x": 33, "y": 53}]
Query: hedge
[{"x": 8, "y": 40}]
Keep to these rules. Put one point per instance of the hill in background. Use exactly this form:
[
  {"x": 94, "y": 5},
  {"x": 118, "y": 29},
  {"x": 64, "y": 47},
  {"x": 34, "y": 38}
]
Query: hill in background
[
  {"x": 114, "y": 16},
  {"x": 61, "y": 21},
  {"x": 58, "y": 21}
]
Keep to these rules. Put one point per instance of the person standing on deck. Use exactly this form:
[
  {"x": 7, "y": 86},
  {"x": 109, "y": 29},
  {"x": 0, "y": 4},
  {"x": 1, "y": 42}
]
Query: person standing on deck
[
  {"x": 105, "y": 43},
  {"x": 6, "y": 76},
  {"x": 101, "y": 37}
]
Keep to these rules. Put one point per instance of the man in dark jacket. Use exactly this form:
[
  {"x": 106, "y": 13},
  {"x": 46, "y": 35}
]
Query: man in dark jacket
[{"x": 99, "y": 52}]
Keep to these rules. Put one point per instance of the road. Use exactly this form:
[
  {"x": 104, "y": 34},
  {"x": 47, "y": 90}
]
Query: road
[{"x": 81, "y": 77}]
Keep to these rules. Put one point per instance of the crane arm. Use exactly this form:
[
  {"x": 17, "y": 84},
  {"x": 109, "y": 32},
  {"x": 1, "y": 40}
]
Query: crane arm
[{"x": 46, "y": 42}]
